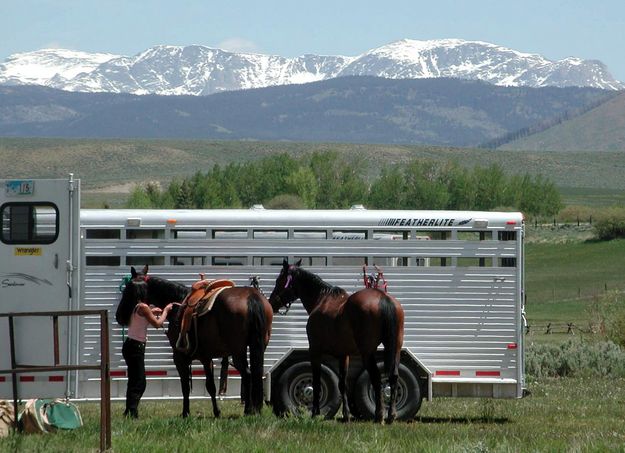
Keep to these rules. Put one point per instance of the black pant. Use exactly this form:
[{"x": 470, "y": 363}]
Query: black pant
[{"x": 134, "y": 355}]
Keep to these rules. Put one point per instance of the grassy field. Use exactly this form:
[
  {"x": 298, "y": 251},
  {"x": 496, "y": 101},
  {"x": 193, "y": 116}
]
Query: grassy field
[
  {"x": 566, "y": 271},
  {"x": 102, "y": 163},
  {"x": 553, "y": 418}
]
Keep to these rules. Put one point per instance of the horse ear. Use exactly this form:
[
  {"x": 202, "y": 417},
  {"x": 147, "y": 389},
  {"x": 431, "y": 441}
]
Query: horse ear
[
  {"x": 285, "y": 263},
  {"x": 133, "y": 272},
  {"x": 145, "y": 270},
  {"x": 299, "y": 263}
]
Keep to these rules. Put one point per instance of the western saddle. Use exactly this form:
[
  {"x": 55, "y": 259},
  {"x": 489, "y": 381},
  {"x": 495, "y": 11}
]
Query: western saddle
[{"x": 198, "y": 303}]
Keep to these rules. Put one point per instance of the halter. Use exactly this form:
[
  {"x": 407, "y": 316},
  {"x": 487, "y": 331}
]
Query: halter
[{"x": 287, "y": 284}]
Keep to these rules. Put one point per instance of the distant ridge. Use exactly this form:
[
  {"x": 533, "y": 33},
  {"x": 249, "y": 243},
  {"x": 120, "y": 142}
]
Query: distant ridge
[
  {"x": 444, "y": 112},
  {"x": 201, "y": 70},
  {"x": 601, "y": 128}
]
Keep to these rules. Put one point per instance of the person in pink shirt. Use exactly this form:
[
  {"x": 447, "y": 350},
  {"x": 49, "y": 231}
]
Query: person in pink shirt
[{"x": 135, "y": 313}]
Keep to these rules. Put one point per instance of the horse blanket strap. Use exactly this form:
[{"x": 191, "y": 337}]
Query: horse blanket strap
[{"x": 198, "y": 303}]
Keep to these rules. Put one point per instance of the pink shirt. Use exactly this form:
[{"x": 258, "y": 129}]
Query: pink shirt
[{"x": 138, "y": 328}]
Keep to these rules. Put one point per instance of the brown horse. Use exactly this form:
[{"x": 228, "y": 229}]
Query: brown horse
[
  {"x": 240, "y": 319},
  {"x": 341, "y": 325}
]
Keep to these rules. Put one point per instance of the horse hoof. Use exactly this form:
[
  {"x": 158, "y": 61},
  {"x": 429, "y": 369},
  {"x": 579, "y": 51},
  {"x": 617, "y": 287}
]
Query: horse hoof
[
  {"x": 184, "y": 415},
  {"x": 345, "y": 419}
]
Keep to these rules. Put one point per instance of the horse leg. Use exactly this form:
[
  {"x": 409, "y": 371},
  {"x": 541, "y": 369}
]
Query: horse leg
[
  {"x": 240, "y": 363},
  {"x": 343, "y": 367},
  {"x": 210, "y": 386},
  {"x": 315, "y": 361},
  {"x": 182, "y": 365},
  {"x": 376, "y": 383},
  {"x": 256, "y": 379},
  {"x": 223, "y": 376},
  {"x": 393, "y": 376}
]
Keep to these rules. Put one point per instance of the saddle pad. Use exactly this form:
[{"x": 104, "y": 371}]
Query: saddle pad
[
  {"x": 206, "y": 304},
  {"x": 203, "y": 289}
]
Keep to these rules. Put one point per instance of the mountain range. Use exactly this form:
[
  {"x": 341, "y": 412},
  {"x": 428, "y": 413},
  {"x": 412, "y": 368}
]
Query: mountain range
[
  {"x": 446, "y": 112},
  {"x": 199, "y": 70}
]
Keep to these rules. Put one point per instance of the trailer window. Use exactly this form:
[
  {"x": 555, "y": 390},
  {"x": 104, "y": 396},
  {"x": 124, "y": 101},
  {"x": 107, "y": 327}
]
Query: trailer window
[
  {"x": 392, "y": 261},
  {"x": 507, "y": 235},
  {"x": 103, "y": 260},
  {"x": 475, "y": 235},
  {"x": 312, "y": 260},
  {"x": 507, "y": 262},
  {"x": 188, "y": 260},
  {"x": 102, "y": 234},
  {"x": 145, "y": 234},
  {"x": 229, "y": 234},
  {"x": 142, "y": 260},
  {"x": 270, "y": 234},
  {"x": 349, "y": 235},
  {"x": 300, "y": 234},
  {"x": 433, "y": 261},
  {"x": 229, "y": 260},
  {"x": 474, "y": 262},
  {"x": 435, "y": 235},
  {"x": 267, "y": 260},
  {"x": 349, "y": 260},
  {"x": 390, "y": 235},
  {"x": 189, "y": 234},
  {"x": 29, "y": 223}
]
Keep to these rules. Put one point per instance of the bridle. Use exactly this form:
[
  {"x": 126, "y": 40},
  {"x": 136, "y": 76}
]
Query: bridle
[{"x": 287, "y": 285}]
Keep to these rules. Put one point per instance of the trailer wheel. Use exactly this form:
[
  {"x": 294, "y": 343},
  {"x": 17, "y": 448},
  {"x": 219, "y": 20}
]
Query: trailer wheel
[
  {"x": 293, "y": 393},
  {"x": 408, "y": 394}
]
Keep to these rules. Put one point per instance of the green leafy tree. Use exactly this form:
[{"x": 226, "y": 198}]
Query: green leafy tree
[
  {"x": 461, "y": 187},
  {"x": 339, "y": 183},
  {"x": 388, "y": 191},
  {"x": 138, "y": 199},
  {"x": 490, "y": 187},
  {"x": 425, "y": 185},
  {"x": 184, "y": 200},
  {"x": 302, "y": 182}
]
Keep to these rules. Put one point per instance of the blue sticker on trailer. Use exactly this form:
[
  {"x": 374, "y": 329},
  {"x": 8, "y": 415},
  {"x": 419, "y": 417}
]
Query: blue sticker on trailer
[{"x": 19, "y": 187}]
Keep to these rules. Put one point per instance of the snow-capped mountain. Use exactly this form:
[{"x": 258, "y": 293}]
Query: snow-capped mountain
[
  {"x": 200, "y": 70},
  {"x": 50, "y": 67}
]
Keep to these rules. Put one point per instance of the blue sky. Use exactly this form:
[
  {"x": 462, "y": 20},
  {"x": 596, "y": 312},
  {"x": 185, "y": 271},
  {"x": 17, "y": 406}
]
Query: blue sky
[{"x": 553, "y": 28}]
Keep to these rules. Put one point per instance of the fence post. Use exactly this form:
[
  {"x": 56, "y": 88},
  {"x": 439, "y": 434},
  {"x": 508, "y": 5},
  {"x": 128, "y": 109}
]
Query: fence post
[
  {"x": 13, "y": 374},
  {"x": 105, "y": 384}
]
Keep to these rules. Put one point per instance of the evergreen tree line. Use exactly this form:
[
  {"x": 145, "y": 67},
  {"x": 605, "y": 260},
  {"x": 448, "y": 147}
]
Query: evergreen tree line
[
  {"x": 541, "y": 125},
  {"x": 325, "y": 180}
]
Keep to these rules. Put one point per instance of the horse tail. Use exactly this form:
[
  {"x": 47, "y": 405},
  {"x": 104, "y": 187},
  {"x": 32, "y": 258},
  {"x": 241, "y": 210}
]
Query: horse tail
[
  {"x": 256, "y": 326},
  {"x": 389, "y": 332}
]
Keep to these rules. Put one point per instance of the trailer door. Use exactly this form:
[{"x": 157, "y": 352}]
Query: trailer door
[{"x": 38, "y": 254}]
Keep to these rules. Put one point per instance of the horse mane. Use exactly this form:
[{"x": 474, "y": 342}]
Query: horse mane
[
  {"x": 129, "y": 301},
  {"x": 163, "y": 291},
  {"x": 316, "y": 281}
]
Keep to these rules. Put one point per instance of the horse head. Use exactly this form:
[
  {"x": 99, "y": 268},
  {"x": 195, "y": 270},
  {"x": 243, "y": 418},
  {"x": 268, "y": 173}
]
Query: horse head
[
  {"x": 284, "y": 292},
  {"x": 134, "y": 290}
]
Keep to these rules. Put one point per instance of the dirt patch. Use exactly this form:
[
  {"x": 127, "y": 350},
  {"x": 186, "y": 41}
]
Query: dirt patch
[{"x": 117, "y": 188}]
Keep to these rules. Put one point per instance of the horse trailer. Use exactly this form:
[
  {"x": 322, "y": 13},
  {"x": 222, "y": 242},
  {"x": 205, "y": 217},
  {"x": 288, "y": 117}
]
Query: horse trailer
[{"x": 458, "y": 274}]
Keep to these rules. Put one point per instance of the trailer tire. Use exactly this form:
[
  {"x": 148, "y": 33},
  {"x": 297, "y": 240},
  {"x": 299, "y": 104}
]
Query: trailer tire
[
  {"x": 409, "y": 396},
  {"x": 293, "y": 393}
]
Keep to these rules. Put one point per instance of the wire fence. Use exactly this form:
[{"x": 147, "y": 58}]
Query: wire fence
[{"x": 568, "y": 328}]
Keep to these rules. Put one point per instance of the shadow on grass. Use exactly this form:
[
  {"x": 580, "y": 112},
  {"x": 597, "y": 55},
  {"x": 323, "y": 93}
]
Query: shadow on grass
[{"x": 463, "y": 420}]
